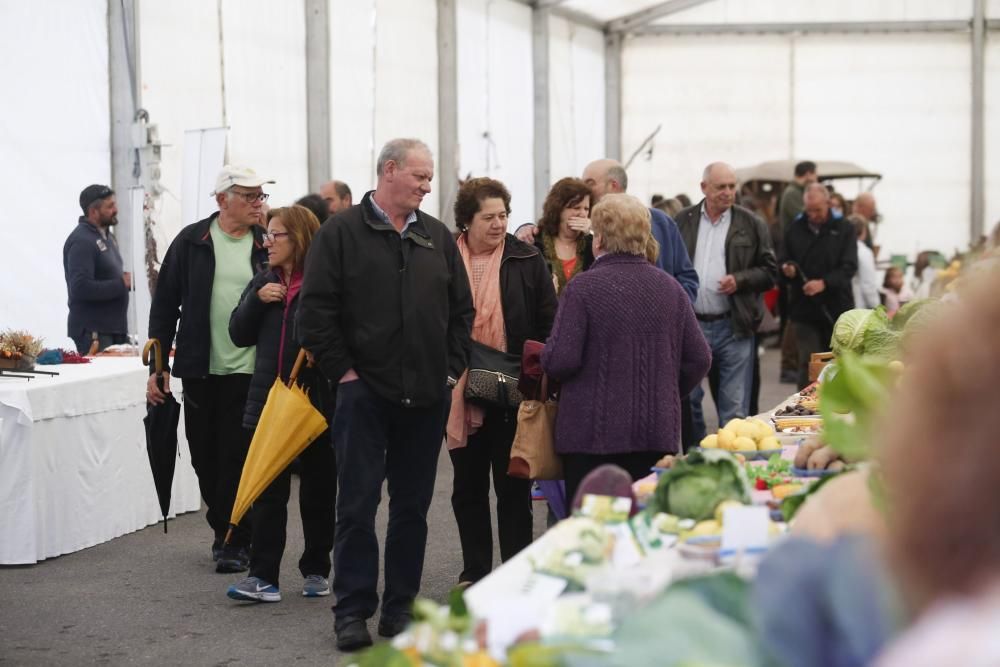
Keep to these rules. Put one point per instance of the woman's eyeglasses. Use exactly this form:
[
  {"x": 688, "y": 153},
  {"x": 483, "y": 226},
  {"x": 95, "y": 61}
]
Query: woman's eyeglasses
[{"x": 274, "y": 236}]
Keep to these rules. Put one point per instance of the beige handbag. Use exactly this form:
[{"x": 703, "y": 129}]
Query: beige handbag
[{"x": 533, "y": 453}]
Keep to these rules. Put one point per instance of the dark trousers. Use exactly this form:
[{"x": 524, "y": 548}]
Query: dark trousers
[
  {"x": 470, "y": 498},
  {"x": 375, "y": 440},
  {"x": 810, "y": 337},
  {"x": 104, "y": 340},
  {"x": 317, "y": 499},
  {"x": 578, "y": 466},
  {"x": 213, "y": 422}
]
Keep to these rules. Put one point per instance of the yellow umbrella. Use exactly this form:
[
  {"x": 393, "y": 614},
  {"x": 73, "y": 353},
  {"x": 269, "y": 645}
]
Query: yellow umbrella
[{"x": 288, "y": 423}]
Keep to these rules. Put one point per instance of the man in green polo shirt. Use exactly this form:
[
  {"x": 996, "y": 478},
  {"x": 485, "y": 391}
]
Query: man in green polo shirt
[{"x": 203, "y": 274}]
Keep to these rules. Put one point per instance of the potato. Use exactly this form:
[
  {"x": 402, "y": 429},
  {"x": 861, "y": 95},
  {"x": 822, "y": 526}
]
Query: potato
[
  {"x": 821, "y": 458},
  {"x": 837, "y": 466},
  {"x": 731, "y": 424},
  {"x": 744, "y": 444},
  {"x": 764, "y": 429},
  {"x": 709, "y": 441},
  {"x": 726, "y": 438},
  {"x": 770, "y": 442},
  {"x": 805, "y": 451},
  {"x": 746, "y": 429}
]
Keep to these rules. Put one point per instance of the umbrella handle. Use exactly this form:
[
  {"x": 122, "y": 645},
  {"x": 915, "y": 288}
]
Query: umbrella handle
[
  {"x": 298, "y": 365},
  {"x": 153, "y": 343}
]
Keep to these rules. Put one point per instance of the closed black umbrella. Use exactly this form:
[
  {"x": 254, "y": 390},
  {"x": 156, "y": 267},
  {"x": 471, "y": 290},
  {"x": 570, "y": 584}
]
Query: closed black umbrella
[{"x": 161, "y": 433}]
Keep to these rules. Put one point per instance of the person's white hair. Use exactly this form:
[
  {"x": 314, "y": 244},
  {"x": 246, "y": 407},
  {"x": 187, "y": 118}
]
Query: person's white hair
[{"x": 396, "y": 150}]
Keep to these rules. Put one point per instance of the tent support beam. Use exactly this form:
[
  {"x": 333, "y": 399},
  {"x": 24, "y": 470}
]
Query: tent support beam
[
  {"x": 123, "y": 66},
  {"x": 448, "y": 163},
  {"x": 564, "y": 12},
  {"x": 646, "y": 16},
  {"x": 613, "y": 95},
  {"x": 978, "y": 203},
  {"x": 848, "y": 27},
  {"x": 540, "y": 70},
  {"x": 318, "y": 143}
]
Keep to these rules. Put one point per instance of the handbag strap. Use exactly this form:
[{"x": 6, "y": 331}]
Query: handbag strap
[{"x": 544, "y": 394}]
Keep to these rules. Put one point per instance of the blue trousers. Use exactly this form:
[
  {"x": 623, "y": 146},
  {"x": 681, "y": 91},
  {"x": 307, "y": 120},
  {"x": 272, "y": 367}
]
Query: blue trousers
[
  {"x": 377, "y": 440},
  {"x": 733, "y": 358}
]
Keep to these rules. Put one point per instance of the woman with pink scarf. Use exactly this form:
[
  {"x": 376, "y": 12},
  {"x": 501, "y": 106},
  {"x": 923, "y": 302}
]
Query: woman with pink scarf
[{"x": 515, "y": 301}]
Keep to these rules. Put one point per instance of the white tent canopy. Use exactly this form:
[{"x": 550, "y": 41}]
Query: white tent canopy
[{"x": 526, "y": 92}]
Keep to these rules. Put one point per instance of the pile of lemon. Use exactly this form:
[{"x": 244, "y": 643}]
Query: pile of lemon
[{"x": 743, "y": 435}]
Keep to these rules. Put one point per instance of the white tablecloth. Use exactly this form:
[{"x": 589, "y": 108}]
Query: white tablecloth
[{"x": 73, "y": 465}]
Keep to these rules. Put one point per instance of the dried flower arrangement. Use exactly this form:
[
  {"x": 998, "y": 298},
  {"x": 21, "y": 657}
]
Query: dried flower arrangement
[{"x": 18, "y": 349}]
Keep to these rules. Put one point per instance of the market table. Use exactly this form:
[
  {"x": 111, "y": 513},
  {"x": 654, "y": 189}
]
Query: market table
[{"x": 73, "y": 465}]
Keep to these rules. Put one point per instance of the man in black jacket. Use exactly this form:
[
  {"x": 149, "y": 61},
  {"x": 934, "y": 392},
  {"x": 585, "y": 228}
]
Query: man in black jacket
[
  {"x": 731, "y": 250},
  {"x": 97, "y": 285},
  {"x": 386, "y": 311},
  {"x": 821, "y": 257},
  {"x": 203, "y": 274}
]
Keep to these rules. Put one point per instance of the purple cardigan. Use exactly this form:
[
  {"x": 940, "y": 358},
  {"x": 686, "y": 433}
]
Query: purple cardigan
[{"x": 626, "y": 347}]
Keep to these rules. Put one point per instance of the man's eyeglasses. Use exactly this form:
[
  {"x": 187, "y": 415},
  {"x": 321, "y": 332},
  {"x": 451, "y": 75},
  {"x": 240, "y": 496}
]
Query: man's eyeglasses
[
  {"x": 274, "y": 236},
  {"x": 251, "y": 197}
]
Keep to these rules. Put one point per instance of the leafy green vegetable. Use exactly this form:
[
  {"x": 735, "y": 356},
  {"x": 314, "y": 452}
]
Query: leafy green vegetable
[
  {"x": 791, "y": 504},
  {"x": 697, "y": 484},
  {"x": 381, "y": 655},
  {"x": 860, "y": 387},
  {"x": 909, "y": 311},
  {"x": 866, "y": 332}
]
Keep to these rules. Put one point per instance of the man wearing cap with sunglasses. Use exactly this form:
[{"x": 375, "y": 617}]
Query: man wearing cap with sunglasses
[
  {"x": 96, "y": 283},
  {"x": 201, "y": 279}
]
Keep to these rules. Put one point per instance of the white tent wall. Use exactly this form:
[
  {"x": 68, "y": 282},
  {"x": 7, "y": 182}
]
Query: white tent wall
[
  {"x": 181, "y": 86},
  {"x": 54, "y": 138},
  {"x": 383, "y": 74},
  {"x": 897, "y": 104},
  {"x": 726, "y": 103},
  {"x": 992, "y": 130},
  {"x": 495, "y": 116},
  {"x": 576, "y": 98},
  {"x": 807, "y": 11}
]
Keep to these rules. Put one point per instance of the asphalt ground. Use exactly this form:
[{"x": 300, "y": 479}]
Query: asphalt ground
[{"x": 154, "y": 599}]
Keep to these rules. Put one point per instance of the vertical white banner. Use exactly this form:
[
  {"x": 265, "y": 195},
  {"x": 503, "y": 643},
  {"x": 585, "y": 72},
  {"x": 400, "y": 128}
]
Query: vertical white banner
[
  {"x": 138, "y": 312},
  {"x": 204, "y": 155}
]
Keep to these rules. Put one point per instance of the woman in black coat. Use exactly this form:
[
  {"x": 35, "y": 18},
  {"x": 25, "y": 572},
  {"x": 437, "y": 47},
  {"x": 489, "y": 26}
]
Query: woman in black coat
[
  {"x": 265, "y": 317},
  {"x": 515, "y": 301}
]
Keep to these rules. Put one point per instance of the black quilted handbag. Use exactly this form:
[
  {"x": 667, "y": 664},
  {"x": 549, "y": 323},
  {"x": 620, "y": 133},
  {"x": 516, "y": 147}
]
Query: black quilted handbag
[{"x": 492, "y": 379}]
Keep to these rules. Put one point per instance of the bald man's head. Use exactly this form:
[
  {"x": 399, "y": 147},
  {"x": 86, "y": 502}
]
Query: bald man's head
[
  {"x": 718, "y": 184},
  {"x": 864, "y": 206},
  {"x": 604, "y": 176},
  {"x": 817, "y": 203}
]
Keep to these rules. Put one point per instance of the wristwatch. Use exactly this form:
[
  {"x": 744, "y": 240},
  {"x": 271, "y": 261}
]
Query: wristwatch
[{"x": 452, "y": 382}]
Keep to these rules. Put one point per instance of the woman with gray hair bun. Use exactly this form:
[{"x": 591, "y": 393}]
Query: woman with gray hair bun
[{"x": 626, "y": 347}]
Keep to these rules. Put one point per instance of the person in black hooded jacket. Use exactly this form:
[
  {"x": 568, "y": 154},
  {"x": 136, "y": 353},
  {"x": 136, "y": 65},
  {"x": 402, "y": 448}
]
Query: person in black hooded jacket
[{"x": 265, "y": 317}]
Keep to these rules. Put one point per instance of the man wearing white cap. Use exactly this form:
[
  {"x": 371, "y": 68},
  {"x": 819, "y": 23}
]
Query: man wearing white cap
[{"x": 202, "y": 276}]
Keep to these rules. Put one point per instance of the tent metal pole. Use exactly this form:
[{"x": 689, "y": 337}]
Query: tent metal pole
[
  {"x": 124, "y": 90},
  {"x": 540, "y": 69},
  {"x": 318, "y": 131},
  {"x": 447, "y": 159},
  {"x": 613, "y": 95},
  {"x": 977, "y": 204}
]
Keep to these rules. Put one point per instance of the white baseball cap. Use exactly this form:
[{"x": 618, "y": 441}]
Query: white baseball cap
[{"x": 242, "y": 176}]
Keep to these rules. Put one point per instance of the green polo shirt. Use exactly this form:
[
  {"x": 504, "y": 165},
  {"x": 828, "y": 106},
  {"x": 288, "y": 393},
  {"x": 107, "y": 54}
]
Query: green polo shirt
[{"x": 232, "y": 274}]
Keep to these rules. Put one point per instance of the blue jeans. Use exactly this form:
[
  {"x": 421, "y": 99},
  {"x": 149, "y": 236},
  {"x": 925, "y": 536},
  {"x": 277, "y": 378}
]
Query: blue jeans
[
  {"x": 376, "y": 440},
  {"x": 733, "y": 357}
]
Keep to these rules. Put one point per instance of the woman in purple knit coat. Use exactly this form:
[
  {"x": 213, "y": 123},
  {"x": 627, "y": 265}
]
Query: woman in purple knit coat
[{"x": 626, "y": 347}]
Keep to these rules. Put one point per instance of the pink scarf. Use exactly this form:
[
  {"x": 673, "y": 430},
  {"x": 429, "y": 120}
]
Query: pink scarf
[{"x": 488, "y": 329}]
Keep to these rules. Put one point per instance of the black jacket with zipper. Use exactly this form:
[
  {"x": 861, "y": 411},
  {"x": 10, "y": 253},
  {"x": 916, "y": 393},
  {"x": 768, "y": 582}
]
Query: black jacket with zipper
[
  {"x": 829, "y": 253},
  {"x": 527, "y": 294},
  {"x": 184, "y": 292},
  {"x": 269, "y": 326},
  {"x": 395, "y": 308},
  {"x": 749, "y": 259}
]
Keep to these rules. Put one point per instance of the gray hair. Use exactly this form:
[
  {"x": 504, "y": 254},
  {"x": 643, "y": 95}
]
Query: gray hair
[
  {"x": 618, "y": 173},
  {"x": 396, "y": 150},
  {"x": 817, "y": 187}
]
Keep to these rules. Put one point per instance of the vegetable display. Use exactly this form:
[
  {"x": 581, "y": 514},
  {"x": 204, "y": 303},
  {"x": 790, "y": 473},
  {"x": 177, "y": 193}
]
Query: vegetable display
[{"x": 697, "y": 484}]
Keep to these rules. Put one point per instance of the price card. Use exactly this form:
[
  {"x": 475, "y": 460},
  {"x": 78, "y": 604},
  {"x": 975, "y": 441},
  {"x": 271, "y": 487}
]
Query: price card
[{"x": 744, "y": 529}]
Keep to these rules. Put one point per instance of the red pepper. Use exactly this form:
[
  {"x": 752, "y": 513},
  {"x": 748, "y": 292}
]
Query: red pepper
[{"x": 761, "y": 484}]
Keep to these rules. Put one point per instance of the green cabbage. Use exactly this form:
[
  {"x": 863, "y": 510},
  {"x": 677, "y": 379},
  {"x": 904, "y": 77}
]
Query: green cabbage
[
  {"x": 698, "y": 483},
  {"x": 865, "y": 332}
]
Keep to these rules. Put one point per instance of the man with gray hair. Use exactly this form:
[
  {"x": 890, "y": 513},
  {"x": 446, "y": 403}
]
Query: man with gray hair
[
  {"x": 203, "y": 275},
  {"x": 386, "y": 312},
  {"x": 731, "y": 251},
  {"x": 819, "y": 261}
]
